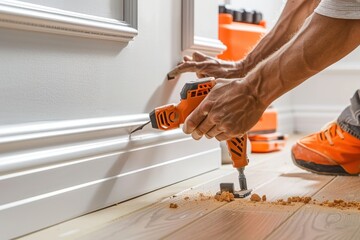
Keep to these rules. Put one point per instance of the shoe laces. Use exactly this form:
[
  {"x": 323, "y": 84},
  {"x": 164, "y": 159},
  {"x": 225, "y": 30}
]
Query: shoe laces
[{"x": 331, "y": 130}]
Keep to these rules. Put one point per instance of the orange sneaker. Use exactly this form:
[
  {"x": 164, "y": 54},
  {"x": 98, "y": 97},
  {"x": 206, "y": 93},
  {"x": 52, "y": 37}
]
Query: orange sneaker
[{"x": 331, "y": 151}]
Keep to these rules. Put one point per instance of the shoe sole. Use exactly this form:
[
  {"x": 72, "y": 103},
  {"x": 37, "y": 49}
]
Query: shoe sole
[{"x": 335, "y": 170}]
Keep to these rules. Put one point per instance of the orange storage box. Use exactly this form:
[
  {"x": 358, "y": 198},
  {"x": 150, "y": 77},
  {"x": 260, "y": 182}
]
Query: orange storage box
[
  {"x": 263, "y": 143},
  {"x": 267, "y": 122},
  {"x": 239, "y": 37}
]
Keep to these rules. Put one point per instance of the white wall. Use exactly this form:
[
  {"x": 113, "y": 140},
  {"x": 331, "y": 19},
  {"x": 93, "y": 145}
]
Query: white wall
[
  {"x": 323, "y": 97},
  {"x": 206, "y": 16},
  {"x": 52, "y": 77}
]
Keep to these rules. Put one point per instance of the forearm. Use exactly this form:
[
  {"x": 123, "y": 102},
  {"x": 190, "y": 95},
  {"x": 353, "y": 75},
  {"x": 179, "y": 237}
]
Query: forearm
[
  {"x": 291, "y": 19},
  {"x": 320, "y": 42}
]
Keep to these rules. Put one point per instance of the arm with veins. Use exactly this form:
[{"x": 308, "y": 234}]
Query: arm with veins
[
  {"x": 235, "y": 105},
  {"x": 289, "y": 22},
  {"x": 321, "y": 42}
]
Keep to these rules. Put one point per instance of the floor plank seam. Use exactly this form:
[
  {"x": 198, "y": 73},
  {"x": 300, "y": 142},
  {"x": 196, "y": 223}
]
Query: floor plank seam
[
  {"x": 253, "y": 164},
  {"x": 297, "y": 210},
  {"x": 192, "y": 222},
  {"x": 203, "y": 183},
  {"x": 264, "y": 183},
  {"x": 216, "y": 209},
  {"x": 168, "y": 198},
  {"x": 165, "y": 199}
]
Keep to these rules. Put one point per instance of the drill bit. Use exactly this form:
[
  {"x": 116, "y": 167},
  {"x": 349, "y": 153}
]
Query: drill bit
[
  {"x": 242, "y": 179},
  {"x": 140, "y": 127}
]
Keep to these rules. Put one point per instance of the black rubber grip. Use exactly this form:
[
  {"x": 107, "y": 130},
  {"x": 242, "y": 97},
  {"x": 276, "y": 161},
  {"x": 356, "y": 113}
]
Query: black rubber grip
[{"x": 153, "y": 119}]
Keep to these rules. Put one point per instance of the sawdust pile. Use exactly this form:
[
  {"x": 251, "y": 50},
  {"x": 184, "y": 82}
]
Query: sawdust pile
[
  {"x": 256, "y": 199},
  {"x": 337, "y": 203},
  {"x": 291, "y": 200},
  {"x": 341, "y": 204},
  {"x": 200, "y": 197},
  {"x": 203, "y": 197},
  {"x": 225, "y": 197}
]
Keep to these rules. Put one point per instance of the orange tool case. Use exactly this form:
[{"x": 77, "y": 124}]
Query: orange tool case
[
  {"x": 267, "y": 123},
  {"x": 239, "y": 37},
  {"x": 270, "y": 142}
]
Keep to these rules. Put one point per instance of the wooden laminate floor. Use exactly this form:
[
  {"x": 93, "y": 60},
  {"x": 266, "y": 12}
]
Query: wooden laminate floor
[{"x": 197, "y": 217}]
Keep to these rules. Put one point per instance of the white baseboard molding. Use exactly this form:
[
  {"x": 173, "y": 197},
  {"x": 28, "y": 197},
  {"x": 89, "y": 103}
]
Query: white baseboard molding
[
  {"x": 342, "y": 68},
  {"x": 51, "y": 172},
  {"x": 309, "y": 119},
  {"x": 285, "y": 120},
  {"x": 306, "y": 119}
]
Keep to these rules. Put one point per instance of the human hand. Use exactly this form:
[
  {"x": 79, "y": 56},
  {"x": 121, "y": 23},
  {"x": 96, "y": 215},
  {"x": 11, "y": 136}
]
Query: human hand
[
  {"x": 205, "y": 66},
  {"x": 229, "y": 110}
]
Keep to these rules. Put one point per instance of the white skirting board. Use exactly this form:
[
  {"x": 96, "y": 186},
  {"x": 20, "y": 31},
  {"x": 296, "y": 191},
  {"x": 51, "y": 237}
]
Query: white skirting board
[
  {"x": 312, "y": 119},
  {"x": 52, "y": 172},
  {"x": 306, "y": 119},
  {"x": 285, "y": 120}
]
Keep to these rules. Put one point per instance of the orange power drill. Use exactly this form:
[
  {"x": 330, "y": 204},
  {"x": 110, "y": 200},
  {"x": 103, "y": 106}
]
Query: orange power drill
[{"x": 171, "y": 116}]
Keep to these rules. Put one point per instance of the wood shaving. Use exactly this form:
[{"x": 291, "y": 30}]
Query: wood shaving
[
  {"x": 263, "y": 198},
  {"x": 173, "y": 205},
  {"x": 255, "y": 198},
  {"x": 225, "y": 197}
]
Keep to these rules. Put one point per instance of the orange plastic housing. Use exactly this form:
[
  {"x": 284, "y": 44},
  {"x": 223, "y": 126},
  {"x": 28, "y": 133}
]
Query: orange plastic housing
[
  {"x": 237, "y": 150},
  {"x": 238, "y": 37},
  {"x": 172, "y": 115},
  {"x": 265, "y": 147},
  {"x": 270, "y": 142},
  {"x": 267, "y": 123}
]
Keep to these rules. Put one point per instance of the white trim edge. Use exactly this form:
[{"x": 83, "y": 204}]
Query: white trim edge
[
  {"x": 61, "y": 141},
  {"x": 190, "y": 42},
  {"x": 309, "y": 119},
  {"x": 32, "y": 17}
]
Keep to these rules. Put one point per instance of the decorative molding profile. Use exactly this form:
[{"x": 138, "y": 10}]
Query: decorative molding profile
[
  {"x": 61, "y": 141},
  {"x": 32, "y": 17},
  {"x": 130, "y": 13},
  {"x": 65, "y": 169},
  {"x": 191, "y": 42}
]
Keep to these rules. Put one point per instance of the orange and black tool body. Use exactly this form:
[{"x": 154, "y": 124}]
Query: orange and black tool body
[{"x": 171, "y": 116}]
